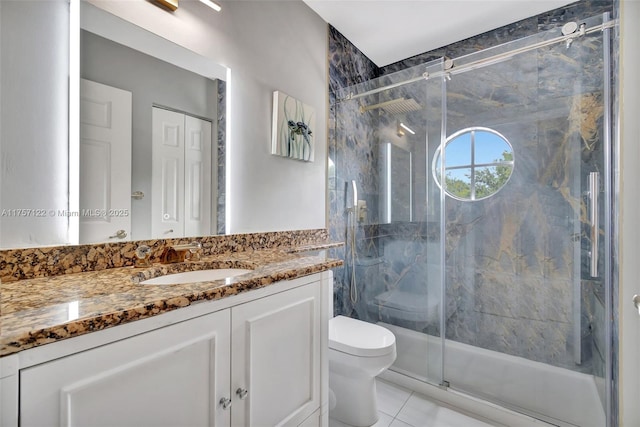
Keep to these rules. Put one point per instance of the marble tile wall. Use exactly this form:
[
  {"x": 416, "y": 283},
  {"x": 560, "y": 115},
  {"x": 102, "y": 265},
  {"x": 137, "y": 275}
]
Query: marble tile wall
[
  {"x": 352, "y": 156},
  {"x": 510, "y": 265}
]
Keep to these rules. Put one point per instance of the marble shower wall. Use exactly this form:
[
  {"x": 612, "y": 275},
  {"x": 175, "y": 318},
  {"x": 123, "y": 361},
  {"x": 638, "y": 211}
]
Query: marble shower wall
[
  {"x": 510, "y": 259},
  {"x": 352, "y": 156},
  {"x": 519, "y": 261}
]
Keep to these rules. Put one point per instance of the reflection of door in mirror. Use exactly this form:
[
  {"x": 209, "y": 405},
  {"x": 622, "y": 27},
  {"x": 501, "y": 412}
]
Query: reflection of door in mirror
[
  {"x": 154, "y": 82},
  {"x": 181, "y": 184},
  {"x": 105, "y": 163}
]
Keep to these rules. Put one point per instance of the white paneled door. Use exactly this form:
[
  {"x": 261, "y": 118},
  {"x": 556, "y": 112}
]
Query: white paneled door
[
  {"x": 181, "y": 185},
  {"x": 105, "y": 163},
  {"x": 197, "y": 180}
]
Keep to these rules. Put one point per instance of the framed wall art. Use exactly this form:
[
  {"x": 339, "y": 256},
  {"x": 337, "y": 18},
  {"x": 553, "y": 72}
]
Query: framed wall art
[{"x": 293, "y": 128}]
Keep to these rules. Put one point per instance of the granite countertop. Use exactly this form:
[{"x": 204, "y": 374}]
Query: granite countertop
[{"x": 39, "y": 311}]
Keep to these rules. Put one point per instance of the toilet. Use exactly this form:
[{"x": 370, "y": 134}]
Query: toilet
[{"x": 358, "y": 352}]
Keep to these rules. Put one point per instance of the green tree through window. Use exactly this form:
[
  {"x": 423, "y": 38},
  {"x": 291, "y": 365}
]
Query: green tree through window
[{"x": 488, "y": 171}]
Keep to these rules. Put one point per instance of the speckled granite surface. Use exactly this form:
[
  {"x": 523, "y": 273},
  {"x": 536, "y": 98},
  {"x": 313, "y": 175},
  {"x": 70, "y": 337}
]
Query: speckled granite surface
[
  {"x": 37, "y": 311},
  {"x": 29, "y": 263}
]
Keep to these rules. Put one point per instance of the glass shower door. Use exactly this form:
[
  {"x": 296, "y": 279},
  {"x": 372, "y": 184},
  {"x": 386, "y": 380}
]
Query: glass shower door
[
  {"x": 387, "y": 131},
  {"x": 523, "y": 168}
]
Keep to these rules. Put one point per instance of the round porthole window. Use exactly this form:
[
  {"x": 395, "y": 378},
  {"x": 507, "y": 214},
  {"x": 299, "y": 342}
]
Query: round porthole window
[{"x": 478, "y": 162}]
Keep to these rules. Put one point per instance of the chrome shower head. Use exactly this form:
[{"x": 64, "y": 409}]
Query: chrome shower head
[{"x": 394, "y": 106}]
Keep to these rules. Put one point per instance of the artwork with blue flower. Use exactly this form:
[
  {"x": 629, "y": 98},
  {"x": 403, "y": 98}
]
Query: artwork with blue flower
[{"x": 293, "y": 128}]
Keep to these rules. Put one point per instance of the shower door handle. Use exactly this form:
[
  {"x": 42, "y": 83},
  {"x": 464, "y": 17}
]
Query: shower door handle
[{"x": 594, "y": 190}]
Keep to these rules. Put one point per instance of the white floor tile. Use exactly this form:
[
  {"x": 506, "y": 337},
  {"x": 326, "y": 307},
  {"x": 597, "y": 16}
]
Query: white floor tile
[
  {"x": 398, "y": 423},
  {"x": 400, "y": 407},
  {"x": 384, "y": 420},
  {"x": 450, "y": 418},
  {"x": 421, "y": 412},
  {"x": 391, "y": 397},
  {"x": 336, "y": 423}
]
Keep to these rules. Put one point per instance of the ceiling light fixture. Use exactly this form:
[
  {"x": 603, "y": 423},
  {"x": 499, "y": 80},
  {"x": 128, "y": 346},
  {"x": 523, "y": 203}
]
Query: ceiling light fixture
[
  {"x": 213, "y": 5},
  {"x": 172, "y": 5}
]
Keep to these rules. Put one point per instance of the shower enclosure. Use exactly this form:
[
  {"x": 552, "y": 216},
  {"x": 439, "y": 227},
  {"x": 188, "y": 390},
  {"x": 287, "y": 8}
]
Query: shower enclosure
[{"x": 485, "y": 243}]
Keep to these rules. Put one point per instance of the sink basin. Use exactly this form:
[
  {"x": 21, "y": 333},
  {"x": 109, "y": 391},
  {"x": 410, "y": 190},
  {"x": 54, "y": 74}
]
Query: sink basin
[{"x": 196, "y": 276}]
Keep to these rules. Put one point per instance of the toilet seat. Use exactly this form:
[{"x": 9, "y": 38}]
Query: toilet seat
[{"x": 359, "y": 338}]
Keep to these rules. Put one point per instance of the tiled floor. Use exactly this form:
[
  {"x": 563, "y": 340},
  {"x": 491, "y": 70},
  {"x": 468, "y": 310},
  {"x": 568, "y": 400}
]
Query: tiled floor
[{"x": 400, "y": 407}]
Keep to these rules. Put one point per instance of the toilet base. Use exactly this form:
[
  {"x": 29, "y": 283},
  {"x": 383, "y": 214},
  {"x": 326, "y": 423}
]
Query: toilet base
[{"x": 355, "y": 400}]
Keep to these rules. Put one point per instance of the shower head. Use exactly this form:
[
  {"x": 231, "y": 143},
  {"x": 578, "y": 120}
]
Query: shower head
[{"x": 394, "y": 106}]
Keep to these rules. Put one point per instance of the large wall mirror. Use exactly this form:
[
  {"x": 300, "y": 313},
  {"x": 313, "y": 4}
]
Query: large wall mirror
[
  {"x": 149, "y": 155},
  {"x": 171, "y": 102}
]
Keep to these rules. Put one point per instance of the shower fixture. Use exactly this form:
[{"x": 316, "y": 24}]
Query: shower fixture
[
  {"x": 448, "y": 63},
  {"x": 394, "y": 106},
  {"x": 572, "y": 29}
]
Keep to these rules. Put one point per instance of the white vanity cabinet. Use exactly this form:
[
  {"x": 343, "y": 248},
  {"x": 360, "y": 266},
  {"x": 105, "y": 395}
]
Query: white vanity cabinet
[
  {"x": 167, "y": 377},
  {"x": 264, "y": 353},
  {"x": 275, "y": 358}
]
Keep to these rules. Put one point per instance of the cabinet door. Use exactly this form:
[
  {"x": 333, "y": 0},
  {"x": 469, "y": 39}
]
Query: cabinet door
[
  {"x": 173, "y": 376},
  {"x": 276, "y": 358}
]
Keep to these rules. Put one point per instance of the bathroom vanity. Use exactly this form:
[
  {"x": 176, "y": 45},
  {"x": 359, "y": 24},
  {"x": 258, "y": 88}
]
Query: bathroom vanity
[{"x": 251, "y": 350}]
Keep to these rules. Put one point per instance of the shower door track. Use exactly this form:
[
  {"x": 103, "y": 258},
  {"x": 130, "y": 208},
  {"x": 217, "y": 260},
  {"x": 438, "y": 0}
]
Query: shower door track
[{"x": 486, "y": 61}]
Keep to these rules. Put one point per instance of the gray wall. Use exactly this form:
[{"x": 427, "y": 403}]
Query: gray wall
[{"x": 151, "y": 81}]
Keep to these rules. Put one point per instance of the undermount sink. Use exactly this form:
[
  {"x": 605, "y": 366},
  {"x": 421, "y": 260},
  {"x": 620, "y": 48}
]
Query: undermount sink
[{"x": 196, "y": 276}]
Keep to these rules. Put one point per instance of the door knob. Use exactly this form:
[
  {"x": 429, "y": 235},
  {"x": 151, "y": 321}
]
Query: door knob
[
  {"x": 636, "y": 302},
  {"x": 225, "y": 403},
  {"x": 120, "y": 234},
  {"x": 242, "y": 392}
]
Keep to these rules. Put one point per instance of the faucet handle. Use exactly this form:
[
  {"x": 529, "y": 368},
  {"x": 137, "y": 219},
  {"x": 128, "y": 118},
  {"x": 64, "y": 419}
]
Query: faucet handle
[
  {"x": 194, "y": 251},
  {"x": 142, "y": 253}
]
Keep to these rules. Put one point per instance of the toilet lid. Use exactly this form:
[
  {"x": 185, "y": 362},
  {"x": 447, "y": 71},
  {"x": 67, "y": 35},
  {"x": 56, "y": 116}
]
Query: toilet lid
[{"x": 359, "y": 338}]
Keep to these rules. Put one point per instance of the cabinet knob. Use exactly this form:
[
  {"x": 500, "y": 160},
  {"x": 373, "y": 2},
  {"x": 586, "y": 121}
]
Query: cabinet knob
[
  {"x": 225, "y": 403},
  {"x": 242, "y": 393}
]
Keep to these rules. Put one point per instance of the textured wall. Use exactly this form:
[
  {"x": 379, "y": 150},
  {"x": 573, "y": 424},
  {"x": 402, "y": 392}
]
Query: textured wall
[{"x": 352, "y": 151}]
